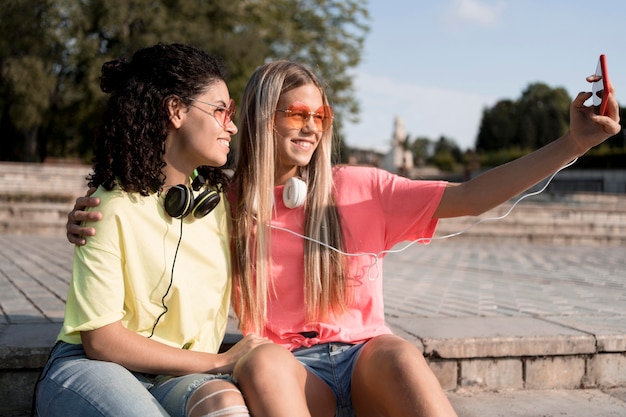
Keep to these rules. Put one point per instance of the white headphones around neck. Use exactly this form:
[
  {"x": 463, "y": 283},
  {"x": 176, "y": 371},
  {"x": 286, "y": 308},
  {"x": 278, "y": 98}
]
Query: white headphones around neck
[{"x": 294, "y": 193}]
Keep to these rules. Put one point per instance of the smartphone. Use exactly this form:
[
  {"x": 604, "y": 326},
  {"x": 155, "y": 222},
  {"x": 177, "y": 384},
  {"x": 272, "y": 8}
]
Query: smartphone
[{"x": 600, "y": 87}]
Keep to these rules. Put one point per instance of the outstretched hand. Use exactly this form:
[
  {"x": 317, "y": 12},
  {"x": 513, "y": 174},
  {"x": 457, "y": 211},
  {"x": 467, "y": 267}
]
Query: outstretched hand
[{"x": 589, "y": 129}]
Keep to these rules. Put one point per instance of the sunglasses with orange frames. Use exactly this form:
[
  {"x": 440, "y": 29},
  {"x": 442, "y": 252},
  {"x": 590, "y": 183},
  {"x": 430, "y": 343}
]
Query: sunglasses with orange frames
[{"x": 298, "y": 115}]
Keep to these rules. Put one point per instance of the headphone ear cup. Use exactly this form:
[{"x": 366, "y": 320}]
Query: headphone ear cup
[
  {"x": 178, "y": 201},
  {"x": 294, "y": 193},
  {"x": 205, "y": 203}
]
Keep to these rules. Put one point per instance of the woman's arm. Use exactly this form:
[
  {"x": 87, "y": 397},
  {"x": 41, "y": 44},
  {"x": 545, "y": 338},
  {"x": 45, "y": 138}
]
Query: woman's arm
[
  {"x": 115, "y": 343},
  {"x": 497, "y": 185}
]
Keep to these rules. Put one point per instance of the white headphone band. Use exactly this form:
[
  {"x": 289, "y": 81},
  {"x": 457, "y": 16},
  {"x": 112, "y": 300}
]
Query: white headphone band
[{"x": 294, "y": 193}]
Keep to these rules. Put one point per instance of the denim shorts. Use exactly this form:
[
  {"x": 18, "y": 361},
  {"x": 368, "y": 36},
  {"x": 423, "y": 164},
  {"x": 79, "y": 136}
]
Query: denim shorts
[
  {"x": 333, "y": 363},
  {"x": 73, "y": 385}
]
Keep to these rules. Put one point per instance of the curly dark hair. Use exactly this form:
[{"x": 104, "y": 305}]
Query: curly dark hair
[{"x": 130, "y": 141}]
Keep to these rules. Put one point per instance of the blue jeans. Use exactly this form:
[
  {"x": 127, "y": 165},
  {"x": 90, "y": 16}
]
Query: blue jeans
[
  {"x": 333, "y": 363},
  {"x": 73, "y": 385}
]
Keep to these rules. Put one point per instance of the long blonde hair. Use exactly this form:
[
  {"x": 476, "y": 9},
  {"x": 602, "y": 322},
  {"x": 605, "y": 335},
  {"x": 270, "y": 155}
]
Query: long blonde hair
[{"x": 325, "y": 276}]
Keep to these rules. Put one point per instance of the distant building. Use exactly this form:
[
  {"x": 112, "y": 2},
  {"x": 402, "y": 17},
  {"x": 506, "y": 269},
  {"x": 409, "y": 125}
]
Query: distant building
[
  {"x": 367, "y": 157},
  {"x": 398, "y": 159}
]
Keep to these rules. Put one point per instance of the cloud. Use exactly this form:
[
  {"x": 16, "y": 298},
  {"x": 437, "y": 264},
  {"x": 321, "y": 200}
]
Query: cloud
[
  {"x": 425, "y": 111},
  {"x": 474, "y": 12}
]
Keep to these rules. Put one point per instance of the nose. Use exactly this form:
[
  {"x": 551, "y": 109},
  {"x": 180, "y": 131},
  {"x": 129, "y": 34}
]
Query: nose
[
  {"x": 309, "y": 123},
  {"x": 231, "y": 127}
]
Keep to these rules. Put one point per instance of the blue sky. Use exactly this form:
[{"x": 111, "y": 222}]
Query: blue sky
[{"x": 437, "y": 64}]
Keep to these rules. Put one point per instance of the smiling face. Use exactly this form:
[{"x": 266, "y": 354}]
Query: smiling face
[
  {"x": 199, "y": 135},
  {"x": 295, "y": 147}
]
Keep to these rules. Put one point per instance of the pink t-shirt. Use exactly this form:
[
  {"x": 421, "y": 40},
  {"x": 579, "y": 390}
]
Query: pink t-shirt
[{"x": 378, "y": 210}]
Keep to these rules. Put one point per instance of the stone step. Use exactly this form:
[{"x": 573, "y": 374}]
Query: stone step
[
  {"x": 43, "y": 180},
  {"x": 536, "y": 223},
  {"x": 598, "y": 220},
  {"x": 24, "y": 350},
  {"x": 504, "y": 353},
  {"x": 484, "y": 354}
]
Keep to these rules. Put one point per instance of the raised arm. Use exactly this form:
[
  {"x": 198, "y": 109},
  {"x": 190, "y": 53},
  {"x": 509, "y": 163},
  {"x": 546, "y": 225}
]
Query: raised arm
[{"x": 499, "y": 184}]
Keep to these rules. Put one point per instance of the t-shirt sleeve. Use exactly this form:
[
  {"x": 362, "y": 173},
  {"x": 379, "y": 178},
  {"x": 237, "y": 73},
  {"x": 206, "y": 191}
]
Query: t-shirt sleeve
[
  {"x": 409, "y": 206},
  {"x": 96, "y": 294},
  {"x": 97, "y": 300}
]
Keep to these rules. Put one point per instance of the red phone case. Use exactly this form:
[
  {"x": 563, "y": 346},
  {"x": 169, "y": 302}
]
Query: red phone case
[{"x": 601, "y": 70}]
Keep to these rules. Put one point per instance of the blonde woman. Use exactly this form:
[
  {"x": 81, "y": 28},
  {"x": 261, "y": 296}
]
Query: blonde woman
[{"x": 326, "y": 306}]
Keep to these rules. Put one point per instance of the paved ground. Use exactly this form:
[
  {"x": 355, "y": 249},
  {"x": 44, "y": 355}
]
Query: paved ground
[
  {"x": 465, "y": 281},
  {"x": 553, "y": 403},
  {"x": 461, "y": 277},
  {"x": 456, "y": 277},
  {"x": 459, "y": 281}
]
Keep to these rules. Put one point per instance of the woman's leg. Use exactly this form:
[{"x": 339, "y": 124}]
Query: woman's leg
[
  {"x": 275, "y": 384},
  {"x": 391, "y": 378},
  {"x": 217, "y": 398},
  {"x": 199, "y": 395},
  {"x": 72, "y": 385}
]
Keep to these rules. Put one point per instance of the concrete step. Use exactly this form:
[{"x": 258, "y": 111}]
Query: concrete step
[
  {"x": 469, "y": 356},
  {"x": 24, "y": 350},
  {"x": 538, "y": 222},
  {"x": 35, "y": 198},
  {"x": 504, "y": 353},
  {"x": 42, "y": 180},
  {"x": 601, "y": 220}
]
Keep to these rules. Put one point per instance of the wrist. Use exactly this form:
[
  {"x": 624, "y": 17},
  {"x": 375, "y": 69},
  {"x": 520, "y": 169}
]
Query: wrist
[
  {"x": 218, "y": 363},
  {"x": 573, "y": 146}
]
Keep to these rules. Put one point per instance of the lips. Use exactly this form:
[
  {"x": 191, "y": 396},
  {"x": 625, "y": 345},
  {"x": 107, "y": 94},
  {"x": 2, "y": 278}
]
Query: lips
[{"x": 302, "y": 144}]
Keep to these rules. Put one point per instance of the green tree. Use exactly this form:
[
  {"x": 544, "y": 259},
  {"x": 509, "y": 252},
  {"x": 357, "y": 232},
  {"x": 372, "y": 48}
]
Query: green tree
[
  {"x": 498, "y": 126},
  {"x": 32, "y": 44},
  {"x": 447, "y": 155},
  {"x": 539, "y": 116},
  {"x": 512, "y": 129},
  {"x": 544, "y": 115},
  {"x": 59, "y": 47},
  {"x": 422, "y": 149}
]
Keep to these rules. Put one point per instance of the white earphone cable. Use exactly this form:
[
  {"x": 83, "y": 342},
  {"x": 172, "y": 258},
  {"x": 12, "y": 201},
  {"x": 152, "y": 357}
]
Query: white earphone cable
[{"x": 376, "y": 256}]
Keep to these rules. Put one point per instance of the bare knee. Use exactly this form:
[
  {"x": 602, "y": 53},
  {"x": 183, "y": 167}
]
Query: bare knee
[
  {"x": 391, "y": 377},
  {"x": 267, "y": 361},
  {"x": 390, "y": 354},
  {"x": 387, "y": 364},
  {"x": 276, "y": 384},
  {"x": 216, "y": 397}
]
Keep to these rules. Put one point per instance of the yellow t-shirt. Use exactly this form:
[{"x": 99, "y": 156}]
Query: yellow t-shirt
[{"x": 124, "y": 271}]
